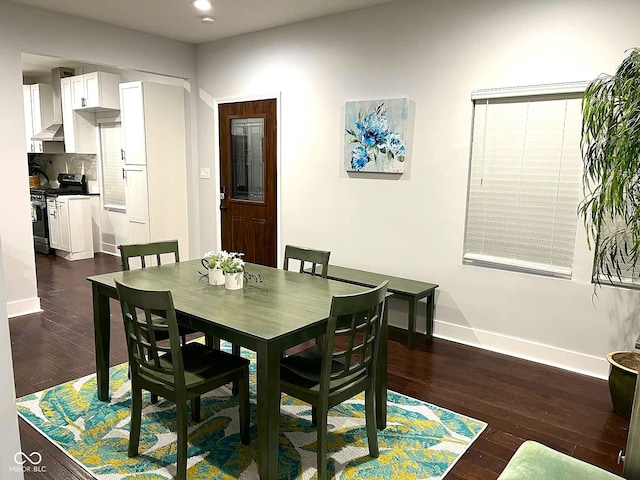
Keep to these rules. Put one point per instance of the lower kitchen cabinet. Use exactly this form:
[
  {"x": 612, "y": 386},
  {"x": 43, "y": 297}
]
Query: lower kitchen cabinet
[{"x": 70, "y": 226}]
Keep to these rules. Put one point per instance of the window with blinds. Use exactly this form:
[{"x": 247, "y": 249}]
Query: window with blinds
[
  {"x": 525, "y": 179},
  {"x": 113, "y": 188}
]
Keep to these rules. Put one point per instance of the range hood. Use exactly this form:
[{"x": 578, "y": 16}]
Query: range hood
[{"x": 55, "y": 132}]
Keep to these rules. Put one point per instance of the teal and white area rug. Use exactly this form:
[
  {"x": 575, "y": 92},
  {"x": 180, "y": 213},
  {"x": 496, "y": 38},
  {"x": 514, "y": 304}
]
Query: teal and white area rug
[{"x": 421, "y": 441}]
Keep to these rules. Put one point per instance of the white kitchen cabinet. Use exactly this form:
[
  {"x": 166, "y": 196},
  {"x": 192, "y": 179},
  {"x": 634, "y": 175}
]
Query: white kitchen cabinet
[
  {"x": 95, "y": 91},
  {"x": 154, "y": 149},
  {"x": 38, "y": 113},
  {"x": 132, "y": 118},
  {"x": 54, "y": 223},
  {"x": 80, "y": 128},
  {"x": 70, "y": 227},
  {"x": 137, "y": 194}
]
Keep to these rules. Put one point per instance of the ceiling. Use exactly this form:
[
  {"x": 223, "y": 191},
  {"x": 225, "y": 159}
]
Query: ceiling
[{"x": 179, "y": 20}]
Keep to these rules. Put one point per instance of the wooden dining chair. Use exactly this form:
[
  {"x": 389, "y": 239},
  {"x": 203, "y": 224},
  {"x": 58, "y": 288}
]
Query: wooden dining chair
[
  {"x": 146, "y": 253},
  {"x": 307, "y": 256},
  {"x": 343, "y": 366},
  {"x": 177, "y": 372}
]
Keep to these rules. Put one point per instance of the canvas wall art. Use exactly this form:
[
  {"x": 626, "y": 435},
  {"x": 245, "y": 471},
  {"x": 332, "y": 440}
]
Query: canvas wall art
[{"x": 376, "y": 135}]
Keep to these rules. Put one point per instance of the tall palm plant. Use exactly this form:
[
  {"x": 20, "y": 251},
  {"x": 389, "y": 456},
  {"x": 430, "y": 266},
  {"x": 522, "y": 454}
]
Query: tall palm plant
[{"x": 611, "y": 177}]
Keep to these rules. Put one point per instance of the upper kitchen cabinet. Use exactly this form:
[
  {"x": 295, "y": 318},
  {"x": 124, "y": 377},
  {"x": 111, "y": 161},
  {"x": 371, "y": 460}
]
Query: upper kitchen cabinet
[
  {"x": 79, "y": 127},
  {"x": 38, "y": 113},
  {"x": 83, "y": 96},
  {"x": 132, "y": 116},
  {"x": 95, "y": 91}
]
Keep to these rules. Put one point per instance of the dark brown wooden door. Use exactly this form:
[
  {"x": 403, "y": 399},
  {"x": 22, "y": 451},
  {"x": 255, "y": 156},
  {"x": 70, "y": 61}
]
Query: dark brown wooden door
[{"x": 248, "y": 179}]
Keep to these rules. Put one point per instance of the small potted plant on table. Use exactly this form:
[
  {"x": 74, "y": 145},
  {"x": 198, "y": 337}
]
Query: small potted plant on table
[
  {"x": 233, "y": 267},
  {"x": 211, "y": 261}
]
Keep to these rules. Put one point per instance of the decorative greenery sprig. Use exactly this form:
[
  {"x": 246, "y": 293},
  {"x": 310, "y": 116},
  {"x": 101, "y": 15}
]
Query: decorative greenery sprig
[{"x": 232, "y": 262}]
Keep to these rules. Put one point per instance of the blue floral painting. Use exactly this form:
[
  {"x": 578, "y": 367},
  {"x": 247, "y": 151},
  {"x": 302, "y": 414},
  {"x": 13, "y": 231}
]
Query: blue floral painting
[{"x": 375, "y": 135}]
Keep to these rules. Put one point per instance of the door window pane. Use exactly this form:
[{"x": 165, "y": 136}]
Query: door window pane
[{"x": 247, "y": 163}]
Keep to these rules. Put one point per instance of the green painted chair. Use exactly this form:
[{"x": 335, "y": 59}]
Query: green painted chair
[
  {"x": 317, "y": 258},
  {"x": 146, "y": 252},
  {"x": 342, "y": 367},
  {"x": 177, "y": 372}
]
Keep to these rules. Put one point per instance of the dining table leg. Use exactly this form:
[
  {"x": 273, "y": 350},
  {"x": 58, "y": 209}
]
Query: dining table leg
[
  {"x": 381, "y": 372},
  {"x": 102, "y": 333},
  {"x": 268, "y": 403}
]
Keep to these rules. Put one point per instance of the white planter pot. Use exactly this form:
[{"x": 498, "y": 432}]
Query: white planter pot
[
  {"x": 216, "y": 277},
  {"x": 234, "y": 281}
]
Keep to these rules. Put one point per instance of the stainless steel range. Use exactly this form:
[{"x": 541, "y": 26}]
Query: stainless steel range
[{"x": 70, "y": 184}]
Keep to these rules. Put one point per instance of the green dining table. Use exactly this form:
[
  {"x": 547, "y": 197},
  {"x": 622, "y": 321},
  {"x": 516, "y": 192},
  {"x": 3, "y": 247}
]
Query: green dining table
[{"x": 275, "y": 310}]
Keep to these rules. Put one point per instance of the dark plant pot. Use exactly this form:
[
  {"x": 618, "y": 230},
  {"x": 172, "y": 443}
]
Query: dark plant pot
[{"x": 622, "y": 380}]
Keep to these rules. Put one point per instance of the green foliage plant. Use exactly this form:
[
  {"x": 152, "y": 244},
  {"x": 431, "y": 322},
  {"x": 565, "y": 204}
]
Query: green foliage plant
[{"x": 611, "y": 177}]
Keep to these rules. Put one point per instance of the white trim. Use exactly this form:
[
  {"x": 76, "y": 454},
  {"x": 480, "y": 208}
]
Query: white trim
[
  {"x": 216, "y": 159},
  {"x": 546, "y": 354},
  {"x": 517, "y": 265},
  {"x": 528, "y": 90},
  {"x": 23, "y": 307}
]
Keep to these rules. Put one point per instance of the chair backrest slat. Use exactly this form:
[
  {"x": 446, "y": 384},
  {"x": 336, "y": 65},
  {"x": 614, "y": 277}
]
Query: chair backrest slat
[
  {"x": 143, "y": 250},
  {"x": 317, "y": 258}
]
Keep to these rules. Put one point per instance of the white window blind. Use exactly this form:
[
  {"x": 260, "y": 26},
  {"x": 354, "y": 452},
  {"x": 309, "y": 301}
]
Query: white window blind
[
  {"x": 113, "y": 193},
  {"x": 524, "y": 182}
]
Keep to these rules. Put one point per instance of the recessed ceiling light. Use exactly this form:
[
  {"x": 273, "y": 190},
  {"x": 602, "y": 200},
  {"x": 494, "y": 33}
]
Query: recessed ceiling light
[
  {"x": 207, "y": 19},
  {"x": 203, "y": 5}
]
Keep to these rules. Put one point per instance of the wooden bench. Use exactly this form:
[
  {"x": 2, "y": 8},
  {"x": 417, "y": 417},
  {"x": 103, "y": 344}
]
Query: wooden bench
[{"x": 402, "y": 288}]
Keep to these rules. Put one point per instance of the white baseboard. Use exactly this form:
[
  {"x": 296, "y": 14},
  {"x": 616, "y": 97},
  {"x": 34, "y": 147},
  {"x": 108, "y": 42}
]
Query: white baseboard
[
  {"x": 23, "y": 307},
  {"x": 109, "y": 248},
  {"x": 517, "y": 347}
]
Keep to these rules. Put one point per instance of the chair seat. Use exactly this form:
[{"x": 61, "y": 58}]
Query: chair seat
[
  {"x": 202, "y": 363},
  {"x": 303, "y": 368}
]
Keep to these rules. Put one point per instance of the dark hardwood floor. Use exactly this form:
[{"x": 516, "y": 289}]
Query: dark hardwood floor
[{"x": 519, "y": 400}]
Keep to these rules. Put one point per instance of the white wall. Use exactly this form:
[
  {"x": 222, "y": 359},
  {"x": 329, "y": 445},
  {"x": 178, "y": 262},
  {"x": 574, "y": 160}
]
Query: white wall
[
  {"x": 435, "y": 53},
  {"x": 27, "y": 30},
  {"x": 10, "y": 440}
]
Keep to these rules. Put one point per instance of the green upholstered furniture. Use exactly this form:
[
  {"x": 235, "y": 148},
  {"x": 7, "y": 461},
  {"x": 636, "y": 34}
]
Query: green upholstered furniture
[
  {"x": 343, "y": 366},
  {"x": 317, "y": 258},
  {"x": 534, "y": 461},
  {"x": 177, "y": 372}
]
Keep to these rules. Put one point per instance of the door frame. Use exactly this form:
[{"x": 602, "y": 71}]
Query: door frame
[{"x": 216, "y": 128}]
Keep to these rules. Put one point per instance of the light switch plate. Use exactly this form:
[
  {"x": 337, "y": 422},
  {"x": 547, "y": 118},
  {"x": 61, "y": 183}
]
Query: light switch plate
[{"x": 205, "y": 172}]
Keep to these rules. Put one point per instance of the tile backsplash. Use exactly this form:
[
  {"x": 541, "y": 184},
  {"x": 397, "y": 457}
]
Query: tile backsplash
[{"x": 73, "y": 163}]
